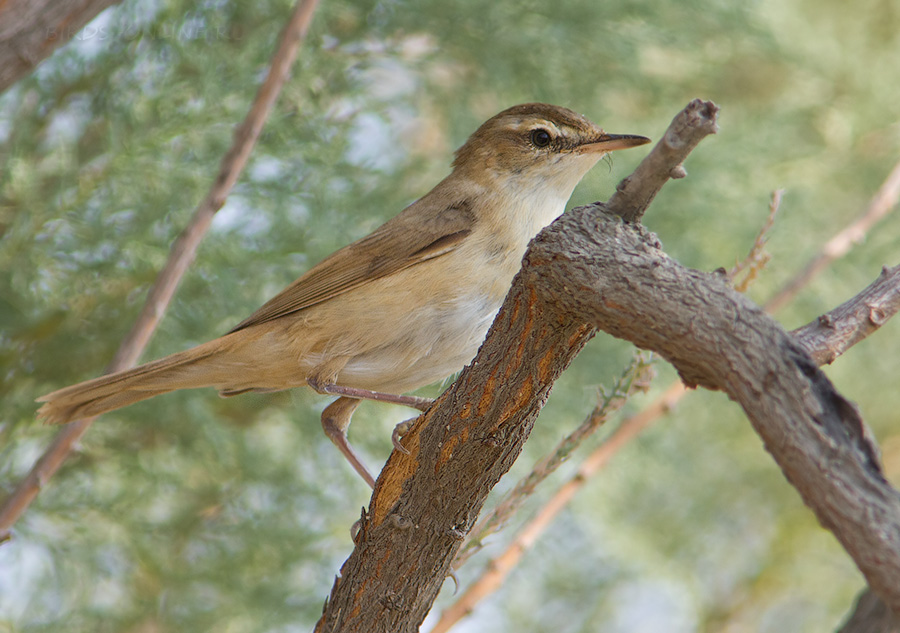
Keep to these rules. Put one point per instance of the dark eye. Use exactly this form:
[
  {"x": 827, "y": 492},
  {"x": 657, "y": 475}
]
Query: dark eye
[{"x": 540, "y": 137}]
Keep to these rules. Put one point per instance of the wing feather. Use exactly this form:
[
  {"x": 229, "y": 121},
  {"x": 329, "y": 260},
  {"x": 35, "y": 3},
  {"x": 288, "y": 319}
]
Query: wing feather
[{"x": 423, "y": 231}]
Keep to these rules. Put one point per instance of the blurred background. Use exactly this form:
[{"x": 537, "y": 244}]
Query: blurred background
[{"x": 194, "y": 513}]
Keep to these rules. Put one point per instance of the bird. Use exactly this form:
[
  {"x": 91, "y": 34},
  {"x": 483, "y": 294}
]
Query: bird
[{"x": 403, "y": 307}]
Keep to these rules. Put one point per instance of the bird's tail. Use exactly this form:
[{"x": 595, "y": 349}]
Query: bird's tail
[{"x": 184, "y": 370}]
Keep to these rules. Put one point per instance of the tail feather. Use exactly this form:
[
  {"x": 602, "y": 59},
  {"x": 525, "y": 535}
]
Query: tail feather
[
  {"x": 56, "y": 412},
  {"x": 184, "y": 370}
]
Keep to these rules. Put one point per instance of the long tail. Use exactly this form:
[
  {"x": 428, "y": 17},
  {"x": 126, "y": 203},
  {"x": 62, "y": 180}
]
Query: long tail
[{"x": 185, "y": 370}]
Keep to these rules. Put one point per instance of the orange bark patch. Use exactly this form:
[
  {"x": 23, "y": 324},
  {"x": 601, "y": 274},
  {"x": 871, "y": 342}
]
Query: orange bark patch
[
  {"x": 525, "y": 337},
  {"x": 613, "y": 305},
  {"x": 397, "y": 471},
  {"x": 515, "y": 311},
  {"x": 446, "y": 453},
  {"x": 448, "y": 446},
  {"x": 488, "y": 396},
  {"x": 523, "y": 395},
  {"x": 545, "y": 366}
]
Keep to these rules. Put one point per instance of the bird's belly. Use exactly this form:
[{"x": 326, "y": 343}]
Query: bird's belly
[
  {"x": 409, "y": 329},
  {"x": 429, "y": 344}
]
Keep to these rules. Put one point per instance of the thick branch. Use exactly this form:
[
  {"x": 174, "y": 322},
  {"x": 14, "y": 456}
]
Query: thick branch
[
  {"x": 823, "y": 343},
  {"x": 615, "y": 276},
  {"x": 426, "y": 502},
  {"x": 824, "y": 339}
]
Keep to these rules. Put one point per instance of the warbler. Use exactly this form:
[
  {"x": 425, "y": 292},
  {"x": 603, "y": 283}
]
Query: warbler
[{"x": 403, "y": 307}]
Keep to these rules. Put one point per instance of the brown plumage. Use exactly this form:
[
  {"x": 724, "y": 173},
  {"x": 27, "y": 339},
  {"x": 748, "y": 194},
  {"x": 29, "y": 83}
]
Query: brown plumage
[{"x": 400, "y": 308}]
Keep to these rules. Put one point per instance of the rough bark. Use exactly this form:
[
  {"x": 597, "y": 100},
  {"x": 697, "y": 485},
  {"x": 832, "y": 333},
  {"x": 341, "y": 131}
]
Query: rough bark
[
  {"x": 30, "y": 30},
  {"x": 833, "y": 333}
]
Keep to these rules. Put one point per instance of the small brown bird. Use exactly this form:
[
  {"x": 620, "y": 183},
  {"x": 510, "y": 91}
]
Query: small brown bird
[{"x": 403, "y": 307}]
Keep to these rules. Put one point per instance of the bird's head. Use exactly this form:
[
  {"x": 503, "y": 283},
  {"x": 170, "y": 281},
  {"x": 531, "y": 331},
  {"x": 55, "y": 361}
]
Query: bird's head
[{"x": 537, "y": 145}]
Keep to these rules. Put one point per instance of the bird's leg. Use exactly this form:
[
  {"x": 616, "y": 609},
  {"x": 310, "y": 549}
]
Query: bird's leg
[
  {"x": 335, "y": 420},
  {"x": 329, "y": 388},
  {"x": 336, "y": 417},
  {"x": 399, "y": 431}
]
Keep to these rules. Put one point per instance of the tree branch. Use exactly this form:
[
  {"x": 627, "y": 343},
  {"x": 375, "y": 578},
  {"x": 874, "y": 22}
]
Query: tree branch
[
  {"x": 30, "y": 30},
  {"x": 758, "y": 257},
  {"x": 718, "y": 339},
  {"x": 825, "y": 338},
  {"x": 836, "y": 331},
  {"x": 823, "y": 343},
  {"x": 871, "y": 616},
  {"x": 426, "y": 502},
  {"x": 882, "y": 203},
  {"x": 182, "y": 254},
  {"x": 690, "y": 126},
  {"x": 636, "y": 378}
]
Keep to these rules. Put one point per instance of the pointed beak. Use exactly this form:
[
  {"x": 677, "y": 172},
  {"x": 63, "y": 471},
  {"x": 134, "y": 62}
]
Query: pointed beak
[{"x": 611, "y": 142}]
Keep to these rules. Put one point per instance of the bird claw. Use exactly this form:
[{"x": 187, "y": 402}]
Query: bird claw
[{"x": 399, "y": 431}]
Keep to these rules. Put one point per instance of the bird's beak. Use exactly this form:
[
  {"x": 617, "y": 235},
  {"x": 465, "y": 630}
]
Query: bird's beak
[{"x": 611, "y": 142}]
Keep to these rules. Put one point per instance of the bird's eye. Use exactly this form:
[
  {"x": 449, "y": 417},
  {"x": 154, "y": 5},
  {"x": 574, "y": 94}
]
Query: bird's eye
[{"x": 540, "y": 137}]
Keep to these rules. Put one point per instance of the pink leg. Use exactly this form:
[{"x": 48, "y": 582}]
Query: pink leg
[
  {"x": 335, "y": 420},
  {"x": 328, "y": 388}
]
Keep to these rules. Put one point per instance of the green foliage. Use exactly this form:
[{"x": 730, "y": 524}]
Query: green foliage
[{"x": 194, "y": 513}]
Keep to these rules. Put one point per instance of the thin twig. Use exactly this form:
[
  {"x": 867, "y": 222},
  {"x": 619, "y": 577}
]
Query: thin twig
[
  {"x": 182, "y": 254},
  {"x": 758, "y": 257},
  {"x": 839, "y": 245},
  {"x": 690, "y": 126},
  {"x": 833, "y": 333}
]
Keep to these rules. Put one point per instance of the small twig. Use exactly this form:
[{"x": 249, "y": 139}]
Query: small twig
[
  {"x": 758, "y": 257},
  {"x": 833, "y": 333},
  {"x": 690, "y": 126},
  {"x": 838, "y": 246},
  {"x": 635, "y": 378},
  {"x": 182, "y": 254}
]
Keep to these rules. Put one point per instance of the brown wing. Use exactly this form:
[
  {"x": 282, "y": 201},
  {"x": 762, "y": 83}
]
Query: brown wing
[{"x": 424, "y": 230}]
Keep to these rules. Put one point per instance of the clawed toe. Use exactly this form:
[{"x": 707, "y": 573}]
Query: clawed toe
[{"x": 399, "y": 431}]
